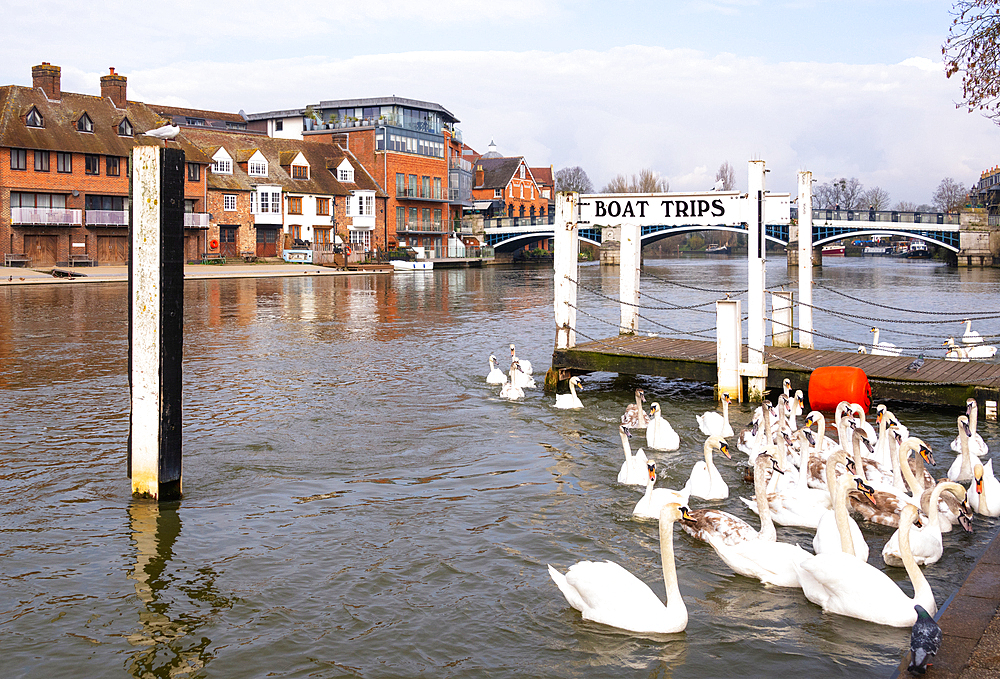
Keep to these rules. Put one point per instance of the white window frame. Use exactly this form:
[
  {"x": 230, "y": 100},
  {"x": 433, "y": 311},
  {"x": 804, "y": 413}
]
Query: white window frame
[
  {"x": 498, "y": 193},
  {"x": 345, "y": 172},
  {"x": 229, "y": 202},
  {"x": 222, "y": 166},
  {"x": 257, "y": 168}
]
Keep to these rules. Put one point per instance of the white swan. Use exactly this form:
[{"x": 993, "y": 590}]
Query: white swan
[
  {"x": 713, "y": 424},
  {"x": 977, "y": 446},
  {"x": 495, "y": 375},
  {"x": 510, "y": 390},
  {"x": 571, "y": 400},
  {"x": 654, "y": 499},
  {"x": 925, "y": 542},
  {"x": 984, "y": 493},
  {"x": 836, "y": 531},
  {"x": 797, "y": 505},
  {"x": 971, "y": 336},
  {"x": 961, "y": 468},
  {"x": 606, "y": 593},
  {"x": 633, "y": 471},
  {"x": 705, "y": 481},
  {"x": 634, "y": 416},
  {"x": 842, "y": 584},
  {"x": 955, "y": 353},
  {"x": 659, "y": 434},
  {"x": 883, "y": 348},
  {"x": 525, "y": 364},
  {"x": 763, "y": 558}
]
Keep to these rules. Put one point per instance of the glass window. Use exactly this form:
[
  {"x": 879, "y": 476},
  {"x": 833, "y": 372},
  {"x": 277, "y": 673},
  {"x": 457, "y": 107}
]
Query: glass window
[
  {"x": 194, "y": 172},
  {"x": 295, "y": 205},
  {"x": 18, "y": 159},
  {"x": 437, "y": 187},
  {"x": 300, "y": 172},
  {"x": 425, "y": 187},
  {"x": 91, "y": 164},
  {"x": 229, "y": 203},
  {"x": 41, "y": 161},
  {"x": 64, "y": 162},
  {"x": 400, "y": 184},
  {"x": 112, "y": 166},
  {"x": 125, "y": 128},
  {"x": 85, "y": 124},
  {"x": 257, "y": 168},
  {"x": 400, "y": 218},
  {"x": 279, "y": 125},
  {"x": 276, "y": 203},
  {"x": 413, "y": 218},
  {"x": 437, "y": 219},
  {"x": 34, "y": 118},
  {"x": 427, "y": 217},
  {"x": 323, "y": 206},
  {"x": 222, "y": 166}
]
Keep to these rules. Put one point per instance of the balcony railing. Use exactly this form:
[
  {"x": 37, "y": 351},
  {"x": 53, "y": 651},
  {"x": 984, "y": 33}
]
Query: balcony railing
[
  {"x": 45, "y": 216},
  {"x": 457, "y": 163},
  {"x": 196, "y": 220},
  {"x": 418, "y": 192},
  {"x": 420, "y": 225},
  {"x": 107, "y": 218}
]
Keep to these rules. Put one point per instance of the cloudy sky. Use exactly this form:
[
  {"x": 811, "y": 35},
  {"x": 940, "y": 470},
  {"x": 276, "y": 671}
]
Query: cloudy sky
[{"x": 844, "y": 88}]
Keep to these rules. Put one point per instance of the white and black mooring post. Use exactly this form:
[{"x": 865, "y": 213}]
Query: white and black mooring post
[{"x": 156, "y": 320}]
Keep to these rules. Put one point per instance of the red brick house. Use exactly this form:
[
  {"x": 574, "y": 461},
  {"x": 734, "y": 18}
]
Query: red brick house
[
  {"x": 509, "y": 184},
  {"x": 63, "y": 171}
]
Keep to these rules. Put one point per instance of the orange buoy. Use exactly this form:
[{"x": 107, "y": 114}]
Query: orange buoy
[
  {"x": 830, "y": 385},
  {"x": 214, "y": 243}
]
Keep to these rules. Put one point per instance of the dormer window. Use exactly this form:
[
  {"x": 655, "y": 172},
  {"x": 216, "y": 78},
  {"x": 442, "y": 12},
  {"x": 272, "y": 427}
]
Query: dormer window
[
  {"x": 222, "y": 166},
  {"x": 124, "y": 128},
  {"x": 256, "y": 168},
  {"x": 34, "y": 118},
  {"x": 300, "y": 172},
  {"x": 84, "y": 124},
  {"x": 345, "y": 171}
]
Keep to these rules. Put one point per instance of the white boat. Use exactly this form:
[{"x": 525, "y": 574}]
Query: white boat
[{"x": 404, "y": 265}]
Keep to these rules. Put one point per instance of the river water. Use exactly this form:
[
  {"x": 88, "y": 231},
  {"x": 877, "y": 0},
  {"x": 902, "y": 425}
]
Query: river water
[{"x": 358, "y": 502}]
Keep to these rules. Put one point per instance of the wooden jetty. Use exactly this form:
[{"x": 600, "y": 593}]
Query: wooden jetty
[{"x": 938, "y": 382}]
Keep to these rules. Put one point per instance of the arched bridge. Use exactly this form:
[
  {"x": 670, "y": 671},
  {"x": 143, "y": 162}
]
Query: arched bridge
[{"x": 828, "y": 225}]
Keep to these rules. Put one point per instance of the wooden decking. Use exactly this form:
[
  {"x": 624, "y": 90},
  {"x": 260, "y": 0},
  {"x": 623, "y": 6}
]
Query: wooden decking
[{"x": 937, "y": 382}]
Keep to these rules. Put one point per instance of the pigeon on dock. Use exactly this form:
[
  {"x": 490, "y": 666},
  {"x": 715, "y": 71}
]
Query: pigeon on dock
[
  {"x": 925, "y": 640},
  {"x": 917, "y": 363}
]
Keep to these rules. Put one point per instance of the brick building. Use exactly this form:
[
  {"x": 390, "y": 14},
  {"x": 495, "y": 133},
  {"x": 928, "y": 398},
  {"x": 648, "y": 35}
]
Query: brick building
[
  {"x": 508, "y": 183},
  {"x": 63, "y": 170},
  {"x": 411, "y": 148}
]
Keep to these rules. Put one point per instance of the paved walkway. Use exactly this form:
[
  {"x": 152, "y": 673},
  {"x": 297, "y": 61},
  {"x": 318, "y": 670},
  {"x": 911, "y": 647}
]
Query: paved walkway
[
  {"x": 970, "y": 623},
  {"x": 107, "y": 274}
]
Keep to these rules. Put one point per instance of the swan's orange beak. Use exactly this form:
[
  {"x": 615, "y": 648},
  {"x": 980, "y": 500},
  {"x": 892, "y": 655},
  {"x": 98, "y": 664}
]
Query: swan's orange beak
[
  {"x": 925, "y": 453},
  {"x": 866, "y": 490},
  {"x": 724, "y": 447},
  {"x": 979, "y": 485},
  {"x": 686, "y": 515}
]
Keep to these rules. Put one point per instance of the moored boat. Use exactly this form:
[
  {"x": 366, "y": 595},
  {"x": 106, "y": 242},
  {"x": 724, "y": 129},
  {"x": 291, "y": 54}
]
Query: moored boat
[
  {"x": 404, "y": 265},
  {"x": 834, "y": 249},
  {"x": 717, "y": 249}
]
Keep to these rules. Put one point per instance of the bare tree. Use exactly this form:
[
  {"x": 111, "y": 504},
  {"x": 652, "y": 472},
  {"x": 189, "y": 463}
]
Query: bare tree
[
  {"x": 950, "y": 196},
  {"x": 876, "y": 198},
  {"x": 573, "y": 179},
  {"x": 973, "y": 47},
  {"x": 845, "y": 194},
  {"x": 726, "y": 176},
  {"x": 905, "y": 206},
  {"x": 647, "y": 181}
]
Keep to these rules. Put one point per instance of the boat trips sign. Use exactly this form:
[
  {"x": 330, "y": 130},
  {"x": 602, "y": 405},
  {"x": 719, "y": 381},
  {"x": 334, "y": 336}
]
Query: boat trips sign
[{"x": 711, "y": 208}]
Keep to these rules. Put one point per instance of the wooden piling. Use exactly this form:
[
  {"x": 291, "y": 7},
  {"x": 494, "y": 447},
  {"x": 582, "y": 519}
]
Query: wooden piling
[{"x": 156, "y": 317}]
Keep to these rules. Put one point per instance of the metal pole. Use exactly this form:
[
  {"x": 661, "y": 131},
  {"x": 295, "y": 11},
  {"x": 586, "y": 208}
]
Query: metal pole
[
  {"x": 755, "y": 369},
  {"x": 565, "y": 258},
  {"x": 156, "y": 317},
  {"x": 630, "y": 257},
  {"x": 805, "y": 261}
]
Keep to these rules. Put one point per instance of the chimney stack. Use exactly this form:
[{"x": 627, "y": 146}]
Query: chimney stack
[
  {"x": 46, "y": 76},
  {"x": 479, "y": 175},
  {"x": 113, "y": 88}
]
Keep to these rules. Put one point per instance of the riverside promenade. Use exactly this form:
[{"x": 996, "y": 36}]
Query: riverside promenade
[{"x": 112, "y": 274}]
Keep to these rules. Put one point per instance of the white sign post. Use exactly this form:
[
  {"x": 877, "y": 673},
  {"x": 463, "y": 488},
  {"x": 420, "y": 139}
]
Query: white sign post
[
  {"x": 565, "y": 258},
  {"x": 755, "y": 368},
  {"x": 805, "y": 261}
]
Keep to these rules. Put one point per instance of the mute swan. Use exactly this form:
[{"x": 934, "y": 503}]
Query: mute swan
[
  {"x": 520, "y": 377},
  {"x": 659, "y": 434},
  {"x": 763, "y": 558},
  {"x": 886, "y": 503},
  {"x": 984, "y": 493},
  {"x": 883, "y": 348},
  {"x": 977, "y": 446},
  {"x": 705, "y": 481},
  {"x": 848, "y": 586},
  {"x": 606, "y": 593},
  {"x": 971, "y": 336},
  {"x": 925, "y": 542},
  {"x": 955, "y": 353},
  {"x": 633, "y": 471},
  {"x": 713, "y": 424},
  {"x": 496, "y": 375},
  {"x": 525, "y": 365},
  {"x": 837, "y": 531},
  {"x": 510, "y": 390},
  {"x": 634, "y": 416},
  {"x": 797, "y": 505},
  {"x": 961, "y": 468},
  {"x": 571, "y": 400},
  {"x": 655, "y": 498},
  {"x": 981, "y": 351}
]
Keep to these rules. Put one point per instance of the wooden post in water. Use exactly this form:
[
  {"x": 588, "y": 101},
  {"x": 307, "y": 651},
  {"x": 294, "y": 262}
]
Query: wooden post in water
[
  {"x": 728, "y": 347},
  {"x": 755, "y": 369},
  {"x": 156, "y": 320},
  {"x": 805, "y": 261},
  {"x": 781, "y": 318},
  {"x": 565, "y": 262},
  {"x": 628, "y": 286}
]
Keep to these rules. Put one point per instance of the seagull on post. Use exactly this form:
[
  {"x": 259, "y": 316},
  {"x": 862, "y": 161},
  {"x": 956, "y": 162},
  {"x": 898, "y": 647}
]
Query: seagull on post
[{"x": 166, "y": 133}]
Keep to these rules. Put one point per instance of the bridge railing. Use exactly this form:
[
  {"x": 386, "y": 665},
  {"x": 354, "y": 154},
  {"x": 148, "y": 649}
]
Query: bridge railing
[
  {"x": 515, "y": 222},
  {"x": 890, "y": 216}
]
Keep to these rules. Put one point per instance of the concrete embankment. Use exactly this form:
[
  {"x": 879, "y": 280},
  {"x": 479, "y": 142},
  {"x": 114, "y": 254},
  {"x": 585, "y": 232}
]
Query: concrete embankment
[{"x": 111, "y": 274}]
